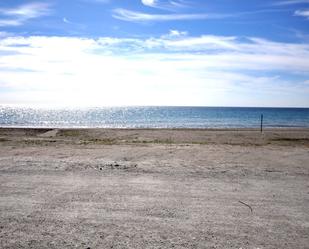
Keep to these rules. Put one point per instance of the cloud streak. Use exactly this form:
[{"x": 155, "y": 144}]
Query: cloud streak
[
  {"x": 291, "y": 2},
  {"x": 303, "y": 13},
  {"x": 140, "y": 17},
  {"x": 135, "y": 16},
  {"x": 19, "y": 15},
  {"x": 165, "y": 5}
]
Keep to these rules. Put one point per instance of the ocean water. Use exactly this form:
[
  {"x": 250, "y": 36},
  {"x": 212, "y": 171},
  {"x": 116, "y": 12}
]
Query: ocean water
[{"x": 154, "y": 117}]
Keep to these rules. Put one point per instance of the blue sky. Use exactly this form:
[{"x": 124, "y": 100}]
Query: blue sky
[{"x": 154, "y": 52}]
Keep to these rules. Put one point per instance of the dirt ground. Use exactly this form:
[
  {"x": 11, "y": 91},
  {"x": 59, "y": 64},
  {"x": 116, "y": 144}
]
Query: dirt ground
[{"x": 103, "y": 188}]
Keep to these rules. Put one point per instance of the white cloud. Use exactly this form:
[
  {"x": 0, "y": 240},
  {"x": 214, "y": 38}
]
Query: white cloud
[
  {"x": 149, "y": 2},
  {"x": 20, "y": 14},
  {"x": 169, "y": 70},
  {"x": 135, "y": 16},
  {"x": 303, "y": 13},
  {"x": 174, "y": 33}
]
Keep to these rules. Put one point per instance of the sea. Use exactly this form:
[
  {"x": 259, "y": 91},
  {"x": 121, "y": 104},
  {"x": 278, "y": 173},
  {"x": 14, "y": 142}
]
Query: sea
[{"x": 154, "y": 117}]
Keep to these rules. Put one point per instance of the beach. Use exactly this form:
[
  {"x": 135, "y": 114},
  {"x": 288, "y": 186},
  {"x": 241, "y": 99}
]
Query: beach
[{"x": 154, "y": 188}]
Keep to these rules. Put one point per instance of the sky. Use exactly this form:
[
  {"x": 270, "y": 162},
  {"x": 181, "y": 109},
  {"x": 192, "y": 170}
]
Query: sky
[{"x": 92, "y": 53}]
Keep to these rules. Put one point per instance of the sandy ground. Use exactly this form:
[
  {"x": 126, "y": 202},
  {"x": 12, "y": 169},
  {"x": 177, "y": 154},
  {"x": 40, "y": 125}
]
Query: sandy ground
[{"x": 154, "y": 188}]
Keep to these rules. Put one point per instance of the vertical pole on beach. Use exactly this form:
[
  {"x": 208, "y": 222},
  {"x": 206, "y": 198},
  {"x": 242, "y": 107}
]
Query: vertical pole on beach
[{"x": 261, "y": 123}]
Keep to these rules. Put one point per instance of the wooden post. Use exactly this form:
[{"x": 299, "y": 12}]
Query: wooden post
[{"x": 261, "y": 123}]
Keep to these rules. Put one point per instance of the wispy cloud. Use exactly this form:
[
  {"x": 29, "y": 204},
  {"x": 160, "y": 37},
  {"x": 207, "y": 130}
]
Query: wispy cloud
[
  {"x": 176, "y": 33},
  {"x": 65, "y": 20},
  {"x": 135, "y": 16},
  {"x": 10, "y": 22},
  {"x": 74, "y": 24},
  {"x": 291, "y": 2},
  {"x": 20, "y": 14},
  {"x": 303, "y": 13},
  {"x": 202, "y": 70},
  {"x": 171, "y": 5}
]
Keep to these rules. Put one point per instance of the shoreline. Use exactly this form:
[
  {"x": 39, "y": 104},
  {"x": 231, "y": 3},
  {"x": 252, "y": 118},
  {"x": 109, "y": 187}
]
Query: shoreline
[
  {"x": 298, "y": 128},
  {"x": 107, "y": 136}
]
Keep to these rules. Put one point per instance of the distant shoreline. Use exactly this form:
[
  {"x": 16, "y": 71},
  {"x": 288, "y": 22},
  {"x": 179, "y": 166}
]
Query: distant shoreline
[
  {"x": 266, "y": 128},
  {"x": 146, "y": 106}
]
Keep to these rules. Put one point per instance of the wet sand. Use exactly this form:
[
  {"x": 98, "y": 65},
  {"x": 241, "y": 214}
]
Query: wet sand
[{"x": 174, "y": 188}]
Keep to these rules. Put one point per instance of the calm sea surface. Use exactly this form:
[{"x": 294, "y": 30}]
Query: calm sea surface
[{"x": 155, "y": 117}]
